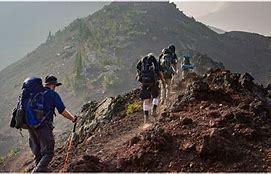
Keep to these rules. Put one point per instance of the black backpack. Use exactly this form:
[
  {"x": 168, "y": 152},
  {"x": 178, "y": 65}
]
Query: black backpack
[
  {"x": 165, "y": 63},
  {"x": 147, "y": 74}
]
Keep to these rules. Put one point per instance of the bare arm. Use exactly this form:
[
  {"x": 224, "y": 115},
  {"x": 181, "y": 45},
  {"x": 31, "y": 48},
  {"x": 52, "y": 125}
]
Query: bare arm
[{"x": 68, "y": 115}]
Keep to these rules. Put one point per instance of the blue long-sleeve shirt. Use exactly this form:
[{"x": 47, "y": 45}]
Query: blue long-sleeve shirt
[{"x": 52, "y": 101}]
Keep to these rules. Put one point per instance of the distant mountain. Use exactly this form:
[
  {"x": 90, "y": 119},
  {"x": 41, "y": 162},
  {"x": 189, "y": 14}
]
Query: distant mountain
[
  {"x": 96, "y": 56},
  {"x": 217, "y": 30},
  {"x": 250, "y": 16}
]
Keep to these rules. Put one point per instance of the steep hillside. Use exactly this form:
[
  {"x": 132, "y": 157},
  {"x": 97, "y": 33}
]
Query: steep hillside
[
  {"x": 218, "y": 122},
  {"x": 95, "y": 56},
  {"x": 90, "y": 60},
  {"x": 163, "y": 24}
]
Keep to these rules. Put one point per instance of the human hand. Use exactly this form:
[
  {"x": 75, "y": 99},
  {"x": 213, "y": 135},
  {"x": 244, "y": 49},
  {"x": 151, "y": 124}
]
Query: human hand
[{"x": 74, "y": 119}]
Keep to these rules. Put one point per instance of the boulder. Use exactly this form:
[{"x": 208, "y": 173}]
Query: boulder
[
  {"x": 186, "y": 121},
  {"x": 217, "y": 146}
]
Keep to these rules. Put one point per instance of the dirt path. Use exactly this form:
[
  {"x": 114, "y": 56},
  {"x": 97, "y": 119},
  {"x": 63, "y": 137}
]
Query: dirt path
[
  {"x": 19, "y": 162},
  {"x": 22, "y": 161},
  {"x": 111, "y": 146}
]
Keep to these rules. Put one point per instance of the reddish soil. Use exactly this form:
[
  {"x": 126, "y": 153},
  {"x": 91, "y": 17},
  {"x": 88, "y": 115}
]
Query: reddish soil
[{"x": 218, "y": 123}]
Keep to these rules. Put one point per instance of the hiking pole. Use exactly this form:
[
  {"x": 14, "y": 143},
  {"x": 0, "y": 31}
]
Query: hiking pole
[
  {"x": 73, "y": 135},
  {"x": 73, "y": 131}
]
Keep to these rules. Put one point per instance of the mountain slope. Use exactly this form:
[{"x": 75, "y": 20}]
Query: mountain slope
[
  {"x": 159, "y": 28},
  {"x": 218, "y": 122},
  {"x": 96, "y": 56}
]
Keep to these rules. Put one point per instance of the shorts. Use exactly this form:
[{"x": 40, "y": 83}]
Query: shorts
[{"x": 149, "y": 91}]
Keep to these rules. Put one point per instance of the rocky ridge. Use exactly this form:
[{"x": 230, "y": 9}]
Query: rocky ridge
[{"x": 218, "y": 123}]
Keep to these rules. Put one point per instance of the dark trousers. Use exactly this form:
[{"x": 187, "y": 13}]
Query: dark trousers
[
  {"x": 149, "y": 91},
  {"x": 42, "y": 143}
]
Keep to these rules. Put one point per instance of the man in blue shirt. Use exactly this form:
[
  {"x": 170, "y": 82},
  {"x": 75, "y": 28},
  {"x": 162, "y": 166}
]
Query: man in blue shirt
[{"x": 41, "y": 139}]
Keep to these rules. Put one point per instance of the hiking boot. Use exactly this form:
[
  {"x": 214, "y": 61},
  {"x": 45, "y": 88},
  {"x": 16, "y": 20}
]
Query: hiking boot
[{"x": 154, "y": 110}]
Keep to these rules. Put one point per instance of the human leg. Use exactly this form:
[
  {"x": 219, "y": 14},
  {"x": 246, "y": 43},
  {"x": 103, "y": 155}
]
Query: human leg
[
  {"x": 163, "y": 92},
  {"x": 167, "y": 89},
  {"x": 146, "y": 108},
  {"x": 47, "y": 143},
  {"x": 34, "y": 145},
  {"x": 155, "y": 100},
  {"x": 145, "y": 95}
]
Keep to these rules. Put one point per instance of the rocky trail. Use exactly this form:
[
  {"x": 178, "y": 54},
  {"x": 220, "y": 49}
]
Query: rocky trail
[
  {"x": 219, "y": 122},
  {"x": 18, "y": 163}
]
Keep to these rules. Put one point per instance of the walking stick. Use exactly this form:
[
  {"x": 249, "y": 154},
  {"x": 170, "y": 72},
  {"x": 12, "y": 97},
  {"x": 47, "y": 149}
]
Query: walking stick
[{"x": 69, "y": 147}]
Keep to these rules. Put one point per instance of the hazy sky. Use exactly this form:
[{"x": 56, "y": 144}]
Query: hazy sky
[
  {"x": 242, "y": 16},
  {"x": 25, "y": 25},
  {"x": 198, "y": 9}
]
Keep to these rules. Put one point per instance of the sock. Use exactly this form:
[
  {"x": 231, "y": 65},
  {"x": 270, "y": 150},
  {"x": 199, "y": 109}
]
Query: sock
[
  {"x": 145, "y": 107},
  {"x": 155, "y": 101}
]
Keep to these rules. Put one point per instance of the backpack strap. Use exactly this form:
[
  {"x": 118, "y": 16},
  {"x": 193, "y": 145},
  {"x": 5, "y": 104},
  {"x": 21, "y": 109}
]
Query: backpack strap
[
  {"x": 19, "y": 101},
  {"x": 32, "y": 99},
  {"x": 45, "y": 92}
]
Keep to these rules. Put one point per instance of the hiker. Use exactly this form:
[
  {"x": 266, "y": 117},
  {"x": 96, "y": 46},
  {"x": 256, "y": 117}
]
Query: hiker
[
  {"x": 186, "y": 66},
  {"x": 148, "y": 75},
  {"x": 168, "y": 67},
  {"x": 173, "y": 63},
  {"x": 41, "y": 139}
]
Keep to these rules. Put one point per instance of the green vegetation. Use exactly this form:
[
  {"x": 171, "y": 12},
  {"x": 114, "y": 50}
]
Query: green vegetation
[
  {"x": 112, "y": 27},
  {"x": 13, "y": 151},
  {"x": 84, "y": 32},
  {"x": 49, "y": 37},
  {"x": 67, "y": 81},
  {"x": 78, "y": 66},
  {"x": 110, "y": 81},
  {"x": 76, "y": 82},
  {"x": 110, "y": 61},
  {"x": 1, "y": 160},
  {"x": 133, "y": 107}
]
